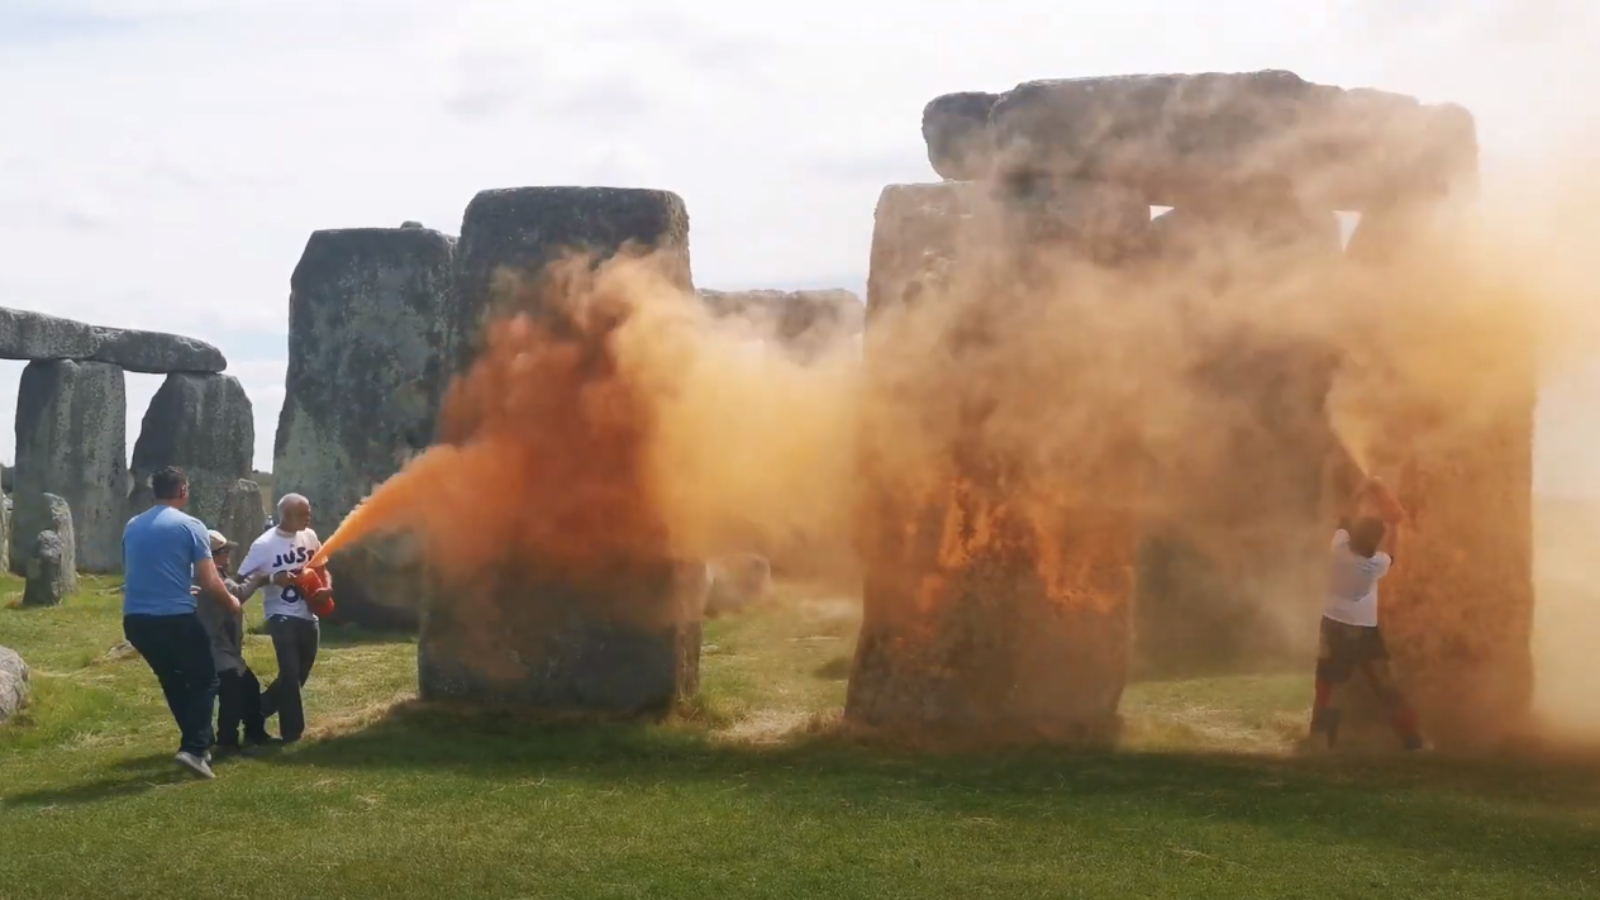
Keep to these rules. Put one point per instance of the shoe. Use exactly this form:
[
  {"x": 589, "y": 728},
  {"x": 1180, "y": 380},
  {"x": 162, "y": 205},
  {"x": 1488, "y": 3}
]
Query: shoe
[{"x": 195, "y": 764}]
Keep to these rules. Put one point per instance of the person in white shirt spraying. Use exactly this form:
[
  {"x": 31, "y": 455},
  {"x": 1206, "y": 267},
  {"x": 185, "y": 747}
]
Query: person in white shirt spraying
[
  {"x": 1363, "y": 552},
  {"x": 279, "y": 555}
]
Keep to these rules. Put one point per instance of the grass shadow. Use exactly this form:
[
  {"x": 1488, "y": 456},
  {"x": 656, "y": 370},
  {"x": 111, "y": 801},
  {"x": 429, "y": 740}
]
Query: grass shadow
[
  {"x": 139, "y": 776},
  {"x": 1431, "y": 806}
]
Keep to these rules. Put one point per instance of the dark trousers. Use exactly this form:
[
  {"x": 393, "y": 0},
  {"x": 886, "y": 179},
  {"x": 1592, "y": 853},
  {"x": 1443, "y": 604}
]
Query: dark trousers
[
  {"x": 1345, "y": 650},
  {"x": 294, "y": 641},
  {"x": 178, "y": 650},
  {"x": 239, "y": 703}
]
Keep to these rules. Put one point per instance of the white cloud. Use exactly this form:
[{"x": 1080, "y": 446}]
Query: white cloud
[{"x": 167, "y": 159}]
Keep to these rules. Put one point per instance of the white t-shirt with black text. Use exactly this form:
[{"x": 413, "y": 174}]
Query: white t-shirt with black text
[
  {"x": 276, "y": 552},
  {"x": 1353, "y": 583}
]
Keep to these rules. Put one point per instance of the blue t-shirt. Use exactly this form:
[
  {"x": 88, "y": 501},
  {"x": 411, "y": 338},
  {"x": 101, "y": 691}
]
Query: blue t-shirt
[{"x": 159, "y": 549}]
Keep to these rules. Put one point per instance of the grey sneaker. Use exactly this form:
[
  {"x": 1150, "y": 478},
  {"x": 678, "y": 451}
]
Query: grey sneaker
[{"x": 195, "y": 764}]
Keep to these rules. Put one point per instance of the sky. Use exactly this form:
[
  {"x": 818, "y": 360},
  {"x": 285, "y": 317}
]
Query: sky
[{"x": 162, "y": 162}]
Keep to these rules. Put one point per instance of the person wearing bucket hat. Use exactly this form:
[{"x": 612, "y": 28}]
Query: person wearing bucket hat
[{"x": 238, "y": 689}]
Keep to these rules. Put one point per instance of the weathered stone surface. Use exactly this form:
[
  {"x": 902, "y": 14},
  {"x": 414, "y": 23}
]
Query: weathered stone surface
[
  {"x": 71, "y": 441},
  {"x": 47, "y": 575},
  {"x": 570, "y": 646},
  {"x": 13, "y": 684},
  {"x": 523, "y": 229},
  {"x": 921, "y": 229},
  {"x": 737, "y": 583},
  {"x": 5, "y": 535},
  {"x": 960, "y": 142},
  {"x": 1456, "y": 446},
  {"x": 37, "y": 336},
  {"x": 55, "y": 515},
  {"x": 204, "y": 425},
  {"x": 992, "y": 606},
  {"x": 1185, "y": 140},
  {"x": 243, "y": 515},
  {"x": 808, "y": 322},
  {"x": 369, "y": 324}
]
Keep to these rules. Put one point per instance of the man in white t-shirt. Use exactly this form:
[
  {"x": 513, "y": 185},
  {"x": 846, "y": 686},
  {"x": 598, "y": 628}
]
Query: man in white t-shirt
[
  {"x": 1362, "y": 553},
  {"x": 279, "y": 555}
]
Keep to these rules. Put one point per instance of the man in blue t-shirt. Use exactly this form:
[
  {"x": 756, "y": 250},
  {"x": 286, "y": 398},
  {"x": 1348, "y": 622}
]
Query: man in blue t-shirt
[{"x": 164, "y": 552}]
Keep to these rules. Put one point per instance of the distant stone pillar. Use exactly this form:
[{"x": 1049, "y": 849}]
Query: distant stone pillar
[
  {"x": 243, "y": 514},
  {"x": 205, "y": 425},
  {"x": 618, "y": 636},
  {"x": 72, "y": 442},
  {"x": 51, "y": 565},
  {"x": 369, "y": 360},
  {"x": 1457, "y": 446},
  {"x": 994, "y": 603}
]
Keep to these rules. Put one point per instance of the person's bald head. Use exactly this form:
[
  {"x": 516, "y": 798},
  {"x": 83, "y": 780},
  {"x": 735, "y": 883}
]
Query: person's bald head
[{"x": 294, "y": 513}]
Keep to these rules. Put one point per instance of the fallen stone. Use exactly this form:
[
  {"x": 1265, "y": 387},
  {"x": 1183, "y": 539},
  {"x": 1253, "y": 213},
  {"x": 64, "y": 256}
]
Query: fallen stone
[
  {"x": 71, "y": 442},
  {"x": 956, "y": 129},
  {"x": 47, "y": 577},
  {"x": 37, "y": 336},
  {"x": 1186, "y": 140},
  {"x": 13, "y": 684},
  {"x": 737, "y": 583},
  {"x": 523, "y": 229},
  {"x": 369, "y": 314},
  {"x": 204, "y": 425},
  {"x": 807, "y": 322}
]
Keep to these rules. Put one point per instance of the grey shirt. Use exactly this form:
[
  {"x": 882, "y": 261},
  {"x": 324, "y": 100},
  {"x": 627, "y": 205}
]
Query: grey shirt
[{"x": 225, "y": 629}]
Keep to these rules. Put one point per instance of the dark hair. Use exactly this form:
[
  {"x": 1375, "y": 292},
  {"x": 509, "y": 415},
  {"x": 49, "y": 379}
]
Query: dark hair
[
  {"x": 168, "y": 483},
  {"x": 1365, "y": 536}
]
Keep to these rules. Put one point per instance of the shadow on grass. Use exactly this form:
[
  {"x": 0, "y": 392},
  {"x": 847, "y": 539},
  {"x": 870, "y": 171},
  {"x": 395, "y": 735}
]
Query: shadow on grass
[
  {"x": 1436, "y": 807},
  {"x": 135, "y": 776}
]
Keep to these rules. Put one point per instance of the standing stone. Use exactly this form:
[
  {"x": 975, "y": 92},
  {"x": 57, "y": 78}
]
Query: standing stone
[
  {"x": 369, "y": 314},
  {"x": 243, "y": 515},
  {"x": 5, "y": 534},
  {"x": 520, "y": 230},
  {"x": 1456, "y": 445},
  {"x": 204, "y": 425},
  {"x": 614, "y": 637},
  {"x": 51, "y": 556},
  {"x": 993, "y": 604},
  {"x": 47, "y": 576},
  {"x": 13, "y": 684},
  {"x": 71, "y": 441}
]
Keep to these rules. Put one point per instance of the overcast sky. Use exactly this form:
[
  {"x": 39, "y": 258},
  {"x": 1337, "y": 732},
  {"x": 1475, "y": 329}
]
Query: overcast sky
[{"x": 163, "y": 161}]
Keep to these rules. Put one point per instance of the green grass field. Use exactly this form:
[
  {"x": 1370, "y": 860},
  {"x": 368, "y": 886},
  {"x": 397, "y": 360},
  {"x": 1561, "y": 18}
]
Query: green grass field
[{"x": 755, "y": 794}]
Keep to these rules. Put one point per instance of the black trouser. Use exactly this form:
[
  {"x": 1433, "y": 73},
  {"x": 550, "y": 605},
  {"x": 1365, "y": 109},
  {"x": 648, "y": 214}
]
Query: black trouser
[
  {"x": 239, "y": 703},
  {"x": 178, "y": 650},
  {"x": 294, "y": 640}
]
